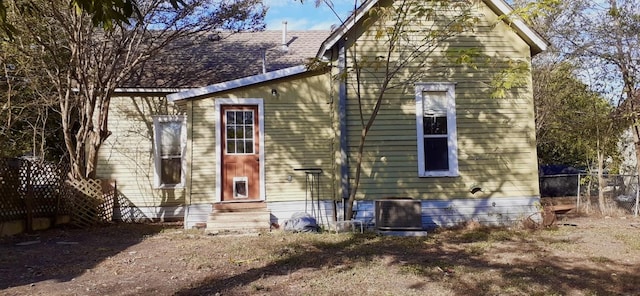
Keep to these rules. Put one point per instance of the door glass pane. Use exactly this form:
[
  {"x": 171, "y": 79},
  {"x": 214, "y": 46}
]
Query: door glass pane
[
  {"x": 231, "y": 132},
  {"x": 231, "y": 146},
  {"x": 240, "y": 146},
  {"x": 436, "y": 154},
  {"x": 248, "y": 131},
  {"x": 248, "y": 117},
  {"x": 248, "y": 146},
  {"x": 231, "y": 117}
]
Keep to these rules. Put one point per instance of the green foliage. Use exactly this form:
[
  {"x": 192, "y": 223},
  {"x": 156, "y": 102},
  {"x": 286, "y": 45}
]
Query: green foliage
[
  {"x": 571, "y": 121},
  {"x": 516, "y": 74},
  {"x": 532, "y": 10},
  {"x": 466, "y": 56},
  {"x": 103, "y": 13},
  {"x": 106, "y": 13}
]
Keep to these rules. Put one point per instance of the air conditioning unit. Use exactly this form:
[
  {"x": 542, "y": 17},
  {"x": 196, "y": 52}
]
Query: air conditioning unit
[{"x": 398, "y": 214}]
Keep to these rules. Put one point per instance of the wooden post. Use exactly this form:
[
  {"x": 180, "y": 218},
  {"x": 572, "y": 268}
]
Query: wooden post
[
  {"x": 578, "y": 195},
  {"x": 28, "y": 199},
  {"x": 637, "y": 195}
]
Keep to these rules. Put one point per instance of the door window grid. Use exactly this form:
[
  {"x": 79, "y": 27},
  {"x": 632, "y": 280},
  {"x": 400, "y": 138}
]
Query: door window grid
[{"x": 239, "y": 131}]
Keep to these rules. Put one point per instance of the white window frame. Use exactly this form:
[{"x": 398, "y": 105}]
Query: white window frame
[
  {"x": 452, "y": 140},
  {"x": 156, "y": 150}
]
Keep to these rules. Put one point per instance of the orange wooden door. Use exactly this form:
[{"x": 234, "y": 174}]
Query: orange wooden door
[{"x": 240, "y": 153}]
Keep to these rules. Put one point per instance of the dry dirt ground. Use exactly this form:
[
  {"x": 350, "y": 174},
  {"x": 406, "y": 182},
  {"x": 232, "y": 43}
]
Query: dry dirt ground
[{"x": 581, "y": 256}]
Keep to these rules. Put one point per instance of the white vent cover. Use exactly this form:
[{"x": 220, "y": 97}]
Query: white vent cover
[{"x": 398, "y": 214}]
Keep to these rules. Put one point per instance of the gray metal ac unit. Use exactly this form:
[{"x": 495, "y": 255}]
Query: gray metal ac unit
[{"x": 398, "y": 214}]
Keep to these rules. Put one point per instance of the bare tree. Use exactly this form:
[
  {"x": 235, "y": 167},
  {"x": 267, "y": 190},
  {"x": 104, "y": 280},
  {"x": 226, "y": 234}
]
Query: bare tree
[
  {"x": 601, "y": 38},
  {"x": 27, "y": 107},
  {"x": 86, "y": 63}
]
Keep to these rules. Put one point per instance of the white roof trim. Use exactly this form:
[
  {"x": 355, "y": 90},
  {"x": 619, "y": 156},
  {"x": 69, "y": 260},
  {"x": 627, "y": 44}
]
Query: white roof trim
[
  {"x": 227, "y": 85},
  {"x": 148, "y": 90},
  {"x": 503, "y": 8},
  {"x": 533, "y": 37},
  {"x": 344, "y": 28}
]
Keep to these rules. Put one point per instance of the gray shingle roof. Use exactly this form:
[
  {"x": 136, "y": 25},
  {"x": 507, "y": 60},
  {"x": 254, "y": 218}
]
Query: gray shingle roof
[{"x": 208, "y": 60}]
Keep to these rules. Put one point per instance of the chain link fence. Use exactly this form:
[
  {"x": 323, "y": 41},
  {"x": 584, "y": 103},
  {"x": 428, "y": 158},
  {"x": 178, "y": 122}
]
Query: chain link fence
[{"x": 620, "y": 193}]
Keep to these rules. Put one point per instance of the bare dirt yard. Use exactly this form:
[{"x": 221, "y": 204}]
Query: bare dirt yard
[{"x": 580, "y": 256}]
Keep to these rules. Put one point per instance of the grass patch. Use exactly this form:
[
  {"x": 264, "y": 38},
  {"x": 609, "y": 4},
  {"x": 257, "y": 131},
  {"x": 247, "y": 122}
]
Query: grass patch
[
  {"x": 475, "y": 236},
  {"x": 415, "y": 269},
  {"x": 503, "y": 235},
  {"x": 632, "y": 240},
  {"x": 477, "y": 249},
  {"x": 600, "y": 259}
]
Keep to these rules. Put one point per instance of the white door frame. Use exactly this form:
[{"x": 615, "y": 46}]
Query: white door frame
[{"x": 218, "y": 107}]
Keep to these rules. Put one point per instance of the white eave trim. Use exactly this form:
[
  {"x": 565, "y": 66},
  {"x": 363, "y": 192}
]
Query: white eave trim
[
  {"x": 503, "y": 9},
  {"x": 227, "y": 85},
  {"x": 148, "y": 90},
  {"x": 534, "y": 38},
  {"x": 344, "y": 28}
]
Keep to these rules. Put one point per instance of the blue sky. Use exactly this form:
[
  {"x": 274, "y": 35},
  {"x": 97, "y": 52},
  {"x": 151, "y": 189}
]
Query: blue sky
[{"x": 304, "y": 16}]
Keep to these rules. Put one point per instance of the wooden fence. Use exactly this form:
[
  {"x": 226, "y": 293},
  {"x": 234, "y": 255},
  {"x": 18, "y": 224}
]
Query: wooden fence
[{"x": 37, "y": 189}]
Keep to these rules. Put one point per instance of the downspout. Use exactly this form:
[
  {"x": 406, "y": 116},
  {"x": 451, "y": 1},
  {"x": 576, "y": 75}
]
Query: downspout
[
  {"x": 342, "y": 119},
  {"x": 189, "y": 170}
]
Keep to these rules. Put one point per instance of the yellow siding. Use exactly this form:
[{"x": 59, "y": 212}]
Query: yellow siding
[
  {"x": 127, "y": 155},
  {"x": 496, "y": 139},
  {"x": 298, "y": 134},
  {"x": 202, "y": 136}
]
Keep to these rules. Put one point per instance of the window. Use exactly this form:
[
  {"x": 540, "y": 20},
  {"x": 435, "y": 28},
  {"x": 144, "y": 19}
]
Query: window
[
  {"x": 239, "y": 134},
  {"x": 169, "y": 150},
  {"x": 436, "y": 130}
]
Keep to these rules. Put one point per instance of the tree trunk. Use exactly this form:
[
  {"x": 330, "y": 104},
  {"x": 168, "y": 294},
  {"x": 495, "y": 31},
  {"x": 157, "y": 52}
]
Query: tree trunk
[
  {"x": 91, "y": 155},
  {"x": 356, "y": 180},
  {"x": 363, "y": 137},
  {"x": 601, "y": 183},
  {"x": 587, "y": 204},
  {"x": 635, "y": 130}
]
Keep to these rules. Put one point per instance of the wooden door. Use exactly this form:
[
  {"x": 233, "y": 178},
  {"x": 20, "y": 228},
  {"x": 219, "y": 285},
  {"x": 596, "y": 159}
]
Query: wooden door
[{"x": 240, "y": 153}]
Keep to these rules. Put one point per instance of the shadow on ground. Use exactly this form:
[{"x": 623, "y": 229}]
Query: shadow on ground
[
  {"x": 465, "y": 264},
  {"x": 63, "y": 254}
]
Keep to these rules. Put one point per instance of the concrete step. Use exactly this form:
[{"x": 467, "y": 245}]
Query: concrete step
[
  {"x": 239, "y": 221},
  {"x": 240, "y": 206}
]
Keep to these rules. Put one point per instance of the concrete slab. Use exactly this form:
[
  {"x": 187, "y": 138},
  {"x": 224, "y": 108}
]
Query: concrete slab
[{"x": 402, "y": 232}]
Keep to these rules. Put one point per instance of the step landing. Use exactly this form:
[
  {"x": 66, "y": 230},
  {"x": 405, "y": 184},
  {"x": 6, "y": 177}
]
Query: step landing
[{"x": 240, "y": 217}]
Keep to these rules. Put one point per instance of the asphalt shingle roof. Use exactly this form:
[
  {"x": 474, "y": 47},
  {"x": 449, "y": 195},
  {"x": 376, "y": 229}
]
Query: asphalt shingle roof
[{"x": 210, "y": 59}]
